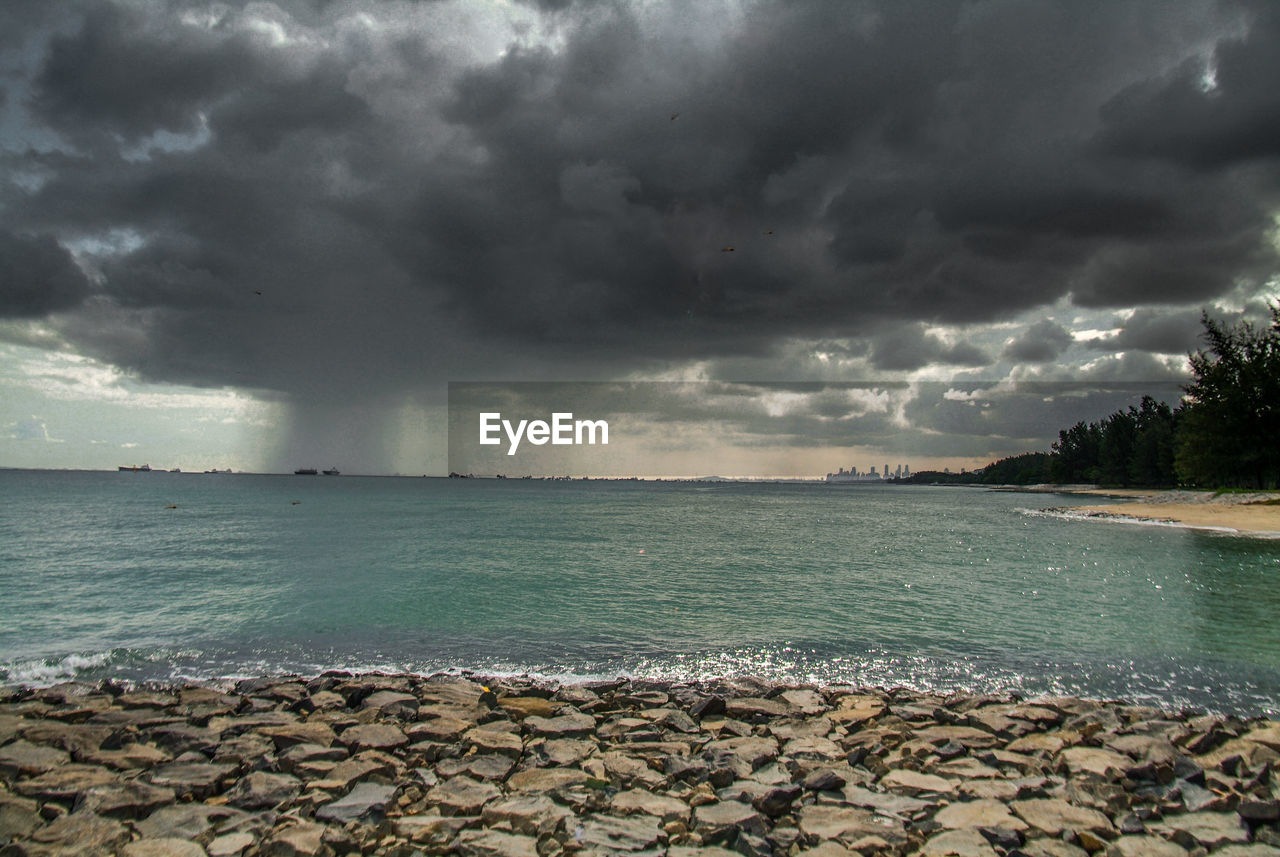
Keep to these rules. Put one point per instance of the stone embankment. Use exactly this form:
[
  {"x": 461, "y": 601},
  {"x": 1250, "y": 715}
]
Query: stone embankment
[{"x": 404, "y": 765}]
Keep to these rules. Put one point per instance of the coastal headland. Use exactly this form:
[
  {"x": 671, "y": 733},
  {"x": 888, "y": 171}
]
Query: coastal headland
[{"x": 345, "y": 764}]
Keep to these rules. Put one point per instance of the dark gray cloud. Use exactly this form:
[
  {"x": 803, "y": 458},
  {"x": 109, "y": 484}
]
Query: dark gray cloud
[
  {"x": 37, "y": 276},
  {"x": 1149, "y": 329},
  {"x": 1039, "y": 343},
  {"x": 356, "y": 200},
  {"x": 905, "y": 349}
]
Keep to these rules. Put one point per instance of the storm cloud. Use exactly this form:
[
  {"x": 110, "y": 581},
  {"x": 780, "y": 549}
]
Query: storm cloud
[{"x": 349, "y": 203}]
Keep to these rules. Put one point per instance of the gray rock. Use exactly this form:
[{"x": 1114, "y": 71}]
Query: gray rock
[
  {"x": 260, "y": 790},
  {"x": 1210, "y": 829},
  {"x": 18, "y": 816},
  {"x": 563, "y": 726},
  {"x": 365, "y": 801},
  {"x": 634, "y": 833},
  {"x": 168, "y": 847},
  {"x": 462, "y": 796},
  {"x": 196, "y": 821},
  {"x": 534, "y": 815},
  {"x": 65, "y": 783},
  {"x": 494, "y": 843},
  {"x": 970, "y": 815},
  {"x": 957, "y": 843},
  {"x": 1053, "y": 815},
  {"x": 848, "y": 824},
  {"x": 22, "y": 758},
  {"x": 373, "y": 736},
  {"x": 134, "y": 799},
  {"x": 197, "y": 780},
  {"x": 1144, "y": 846},
  {"x": 79, "y": 833},
  {"x": 230, "y": 845}
]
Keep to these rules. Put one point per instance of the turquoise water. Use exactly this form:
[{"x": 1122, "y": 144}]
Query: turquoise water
[{"x": 943, "y": 588}]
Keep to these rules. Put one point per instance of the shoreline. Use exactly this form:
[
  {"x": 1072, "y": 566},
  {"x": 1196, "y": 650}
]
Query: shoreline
[
  {"x": 404, "y": 765},
  {"x": 1245, "y": 514}
]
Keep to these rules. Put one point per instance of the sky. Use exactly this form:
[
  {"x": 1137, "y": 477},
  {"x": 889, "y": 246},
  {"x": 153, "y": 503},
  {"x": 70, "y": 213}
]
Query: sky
[{"x": 270, "y": 235}]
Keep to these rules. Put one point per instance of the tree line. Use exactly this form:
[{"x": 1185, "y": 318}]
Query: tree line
[{"x": 1225, "y": 433}]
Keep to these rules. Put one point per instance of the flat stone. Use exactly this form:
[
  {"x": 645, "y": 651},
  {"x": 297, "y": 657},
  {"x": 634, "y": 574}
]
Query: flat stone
[
  {"x": 1268, "y": 736},
  {"x": 494, "y": 843},
  {"x": 348, "y": 772},
  {"x": 754, "y": 708},
  {"x": 805, "y": 702},
  {"x": 978, "y": 813},
  {"x": 19, "y": 816},
  {"x": 886, "y": 803},
  {"x": 80, "y": 833},
  {"x": 374, "y": 736},
  {"x": 1037, "y": 742},
  {"x": 965, "y": 736},
  {"x": 392, "y": 702},
  {"x": 133, "y": 799},
  {"x": 130, "y": 757},
  {"x": 188, "y": 821},
  {"x": 565, "y": 752},
  {"x": 563, "y": 726},
  {"x": 914, "y": 782},
  {"x": 754, "y": 752},
  {"x": 366, "y": 800},
  {"x": 647, "y": 802},
  {"x": 823, "y": 849},
  {"x": 22, "y": 758},
  {"x": 439, "y": 729},
  {"x": 530, "y": 815},
  {"x": 168, "y": 847},
  {"x": 196, "y": 779},
  {"x": 957, "y": 843},
  {"x": 65, "y": 782},
  {"x": 715, "y": 819},
  {"x": 545, "y": 779},
  {"x": 292, "y": 734},
  {"x": 493, "y": 741},
  {"x": 1096, "y": 760},
  {"x": 1256, "y": 849},
  {"x": 301, "y": 840},
  {"x": 634, "y": 833},
  {"x": 1145, "y": 846},
  {"x": 303, "y": 754},
  {"x": 813, "y": 748},
  {"x": 1052, "y": 848},
  {"x": 848, "y": 824},
  {"x": 261, "y": 790},
  {"x": 462, "y": 796},
  {"x": 431, "y": 828},
  {"x": 520, "y": 707},
  {"x": 230, "y": 844},
  {"x": 1210, "y": 829},
  {"x": 1053, "y": 815},
  {"x": 854, "y": 710}
]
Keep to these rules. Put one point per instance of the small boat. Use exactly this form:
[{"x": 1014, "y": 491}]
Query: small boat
[
  {"x": 332, "y": 471},
  {"x": 305, "y": 471}
]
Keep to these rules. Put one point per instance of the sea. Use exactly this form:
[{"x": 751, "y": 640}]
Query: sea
[{"x": 167, "y": 576}]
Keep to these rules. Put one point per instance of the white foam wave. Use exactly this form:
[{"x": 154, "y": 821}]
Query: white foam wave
[{"x": 46, "y": 671}]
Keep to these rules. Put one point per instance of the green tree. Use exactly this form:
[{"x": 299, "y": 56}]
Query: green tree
[{"x": 1229, "y": 425}]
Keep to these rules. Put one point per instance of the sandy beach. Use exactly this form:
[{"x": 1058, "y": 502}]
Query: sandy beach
[
  {"x": 405, "y": 765},
  {"x": 1246, "y": 513}
]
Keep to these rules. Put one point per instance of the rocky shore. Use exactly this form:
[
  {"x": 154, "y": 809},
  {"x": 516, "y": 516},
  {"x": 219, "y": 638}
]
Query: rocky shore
[{"x": 405, "y": 765}]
